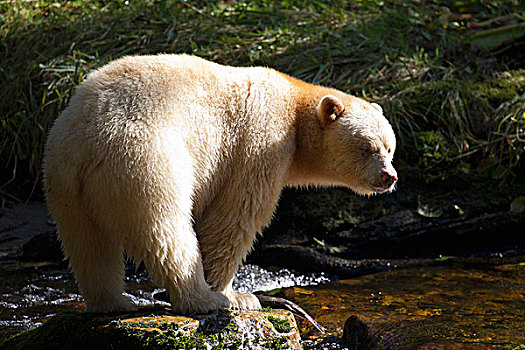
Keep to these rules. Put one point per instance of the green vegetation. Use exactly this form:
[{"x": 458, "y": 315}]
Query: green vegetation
[
  {"x": 414, "y": 58},
  {"x": 279, "y": 343},
  {"x": 170, "y": 336},
  {"x": 280, "y": 325}
]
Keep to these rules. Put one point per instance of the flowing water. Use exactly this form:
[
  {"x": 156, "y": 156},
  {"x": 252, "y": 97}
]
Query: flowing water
[{"x": 480, "y": 293}]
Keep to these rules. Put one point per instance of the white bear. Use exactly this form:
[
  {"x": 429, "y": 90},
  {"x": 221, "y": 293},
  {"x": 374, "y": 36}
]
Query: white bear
[{"x": 179, "y": 162}]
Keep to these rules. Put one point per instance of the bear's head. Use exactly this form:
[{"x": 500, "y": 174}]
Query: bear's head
[{"x": 358, "y": 143}]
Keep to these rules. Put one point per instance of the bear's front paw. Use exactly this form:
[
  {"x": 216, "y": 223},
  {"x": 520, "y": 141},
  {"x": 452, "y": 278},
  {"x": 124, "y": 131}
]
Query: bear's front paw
[
  {"x": 243, "y": 301},
  {"x": 106, "y": 304},
  {"x": 206, "y": 303}
]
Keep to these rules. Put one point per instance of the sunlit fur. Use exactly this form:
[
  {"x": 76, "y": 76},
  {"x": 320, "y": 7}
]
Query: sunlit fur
[{"x": 180, "y": 162}]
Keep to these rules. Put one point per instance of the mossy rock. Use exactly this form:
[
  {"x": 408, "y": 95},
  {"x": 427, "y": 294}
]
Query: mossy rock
[
  {"x": 64, "y": 331},
  {"x": 274, "y": 329}
]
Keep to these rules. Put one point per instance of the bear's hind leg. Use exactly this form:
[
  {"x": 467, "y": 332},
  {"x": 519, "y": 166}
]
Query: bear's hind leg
[{"x": 97, "y": 261}]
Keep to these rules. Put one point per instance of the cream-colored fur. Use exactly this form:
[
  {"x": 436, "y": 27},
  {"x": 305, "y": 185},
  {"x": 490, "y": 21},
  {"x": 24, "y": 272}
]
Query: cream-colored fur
[{"x": 180, "y": 162}]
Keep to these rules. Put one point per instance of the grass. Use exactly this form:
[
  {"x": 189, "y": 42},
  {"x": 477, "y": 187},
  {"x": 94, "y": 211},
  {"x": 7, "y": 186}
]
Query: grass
[{"x": 414, "y": 58}]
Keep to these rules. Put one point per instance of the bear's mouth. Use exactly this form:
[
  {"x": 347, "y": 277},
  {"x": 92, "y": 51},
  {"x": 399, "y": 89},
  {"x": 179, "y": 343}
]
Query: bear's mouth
[{"x": 383, "y": 189}]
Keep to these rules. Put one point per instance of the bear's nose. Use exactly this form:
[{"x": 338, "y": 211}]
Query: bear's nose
[{"x": 388, "y": 178}]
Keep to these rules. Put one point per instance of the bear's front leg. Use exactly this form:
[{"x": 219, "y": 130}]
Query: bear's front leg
[{"x": 224, "y": 245}]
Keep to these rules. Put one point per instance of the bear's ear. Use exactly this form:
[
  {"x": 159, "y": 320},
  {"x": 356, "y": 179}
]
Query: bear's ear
[
  {"x": 329, "y": 110},
  {"x": 378, "y": 107}
]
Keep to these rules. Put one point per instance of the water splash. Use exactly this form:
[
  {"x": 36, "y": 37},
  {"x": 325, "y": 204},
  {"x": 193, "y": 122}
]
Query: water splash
[
  {"x": 329, "y": 343},
  {"x": 252, "y": 278}
]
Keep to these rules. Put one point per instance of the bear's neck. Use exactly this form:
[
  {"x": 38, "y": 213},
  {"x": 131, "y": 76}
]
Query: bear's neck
[{"x": 307, "y": 167}]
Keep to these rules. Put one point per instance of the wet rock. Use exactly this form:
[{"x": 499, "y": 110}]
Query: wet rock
[
  {"x": 274, "y": 329},
  {"x": 306, "y": 259},
  {"x": 20, "y": 223},
  {"x": 42, "y": 247},
  {"x": 407, "y": 233},
  {"x": 440, "y": 307}
]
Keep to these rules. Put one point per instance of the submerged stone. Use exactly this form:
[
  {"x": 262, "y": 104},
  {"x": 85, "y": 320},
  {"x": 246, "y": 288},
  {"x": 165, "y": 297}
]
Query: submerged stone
[
  {"x": 456, "y": 307},
  {"x": 275, "y": 329}
]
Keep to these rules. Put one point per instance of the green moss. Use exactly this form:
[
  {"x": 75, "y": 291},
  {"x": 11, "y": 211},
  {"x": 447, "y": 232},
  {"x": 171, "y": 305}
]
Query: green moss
[
  {"x": 497, "y": 91},
  {"x": 279, "y": 343},
  {"x": 280, "y": 325},
  {"x": 168, "y": 326},
  {"x": 429, "y": 148},
  {"x": 168, "y": 335}
]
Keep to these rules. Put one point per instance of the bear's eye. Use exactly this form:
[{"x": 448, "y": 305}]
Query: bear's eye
[{"x": 389, "y": 150}]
